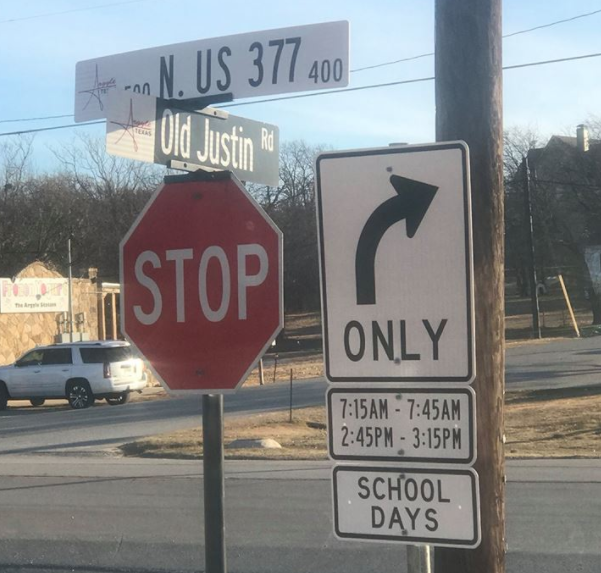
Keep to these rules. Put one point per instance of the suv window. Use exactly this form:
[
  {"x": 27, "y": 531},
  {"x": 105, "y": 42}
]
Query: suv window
[
  {"x": 57, "y": 356},
  {"x": 102, "y": 355},
  {"x": 33, "y": 358}
]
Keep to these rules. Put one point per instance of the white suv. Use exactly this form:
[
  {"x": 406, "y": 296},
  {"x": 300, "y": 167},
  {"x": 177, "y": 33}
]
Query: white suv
[{"x": 79, "y": 372}]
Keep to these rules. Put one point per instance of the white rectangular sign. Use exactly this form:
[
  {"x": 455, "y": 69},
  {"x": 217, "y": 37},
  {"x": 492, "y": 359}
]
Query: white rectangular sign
[
  {"x": 405, "y": 424},
  {"x": 592, "y": 257},
  {"x": 148, "y": 129},
  {"x": 34, "y": 295},
  {"x": 395, "y": 243},
  {"x": 434, "y": 506},
  {"x": 131, "y": 125},
  {"x": 299, "y": 58}
]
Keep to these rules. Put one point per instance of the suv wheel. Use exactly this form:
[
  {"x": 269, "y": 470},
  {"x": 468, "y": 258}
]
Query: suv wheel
[
  {"x": 37, "y": 401},
  {"x": 79, "y": 395},
  {"x": 3, "y": 396},
  {"x": 119, "y": 399}
]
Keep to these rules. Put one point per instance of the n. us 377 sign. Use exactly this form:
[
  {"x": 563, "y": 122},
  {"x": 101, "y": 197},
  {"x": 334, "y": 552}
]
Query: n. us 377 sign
[{"x": 299, "y": 58}]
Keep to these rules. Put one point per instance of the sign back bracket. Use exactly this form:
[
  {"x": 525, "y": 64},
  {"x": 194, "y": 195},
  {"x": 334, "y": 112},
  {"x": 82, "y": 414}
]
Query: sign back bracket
[
  {"x": 200, "y": 103},
  {"x": 195, "y": 173},
  {"x": 190, "y": 168}
]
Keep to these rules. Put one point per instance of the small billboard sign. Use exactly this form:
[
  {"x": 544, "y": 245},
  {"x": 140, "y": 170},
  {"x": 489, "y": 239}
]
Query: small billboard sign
[{"x": 33, "y": 295}]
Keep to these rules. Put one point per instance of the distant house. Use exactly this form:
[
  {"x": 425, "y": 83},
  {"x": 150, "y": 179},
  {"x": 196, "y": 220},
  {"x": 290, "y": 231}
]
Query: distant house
[
  {"x": 566, "y": 162},
  {"x": 565, "y": 180}
]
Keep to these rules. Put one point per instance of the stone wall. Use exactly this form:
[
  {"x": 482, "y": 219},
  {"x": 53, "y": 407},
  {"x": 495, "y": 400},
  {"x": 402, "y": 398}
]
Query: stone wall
[{"x": 20, "y": 332}]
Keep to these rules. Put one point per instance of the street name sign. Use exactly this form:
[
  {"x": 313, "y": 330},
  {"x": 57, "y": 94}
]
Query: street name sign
[
  {"x": 201, "y": 283},
  {"x": 435, "y": 506},
  {"x": 395, "y": 247},
  {"x": 300, "y": 58},
  {"x": 404, "y": 424},
  {"x": 150, "y": 129}
]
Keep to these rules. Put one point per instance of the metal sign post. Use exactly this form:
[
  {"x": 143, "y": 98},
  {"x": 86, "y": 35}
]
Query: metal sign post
[
  {"x": 418, "y": 559},
  {"x": 212, "y": 460}
]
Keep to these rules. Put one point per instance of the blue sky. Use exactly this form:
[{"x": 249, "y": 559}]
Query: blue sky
[{"x": 38, "y": 57}]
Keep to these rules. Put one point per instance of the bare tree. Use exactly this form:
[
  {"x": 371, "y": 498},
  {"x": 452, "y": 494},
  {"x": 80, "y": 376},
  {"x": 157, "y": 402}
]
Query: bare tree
[
  {"x": 96, "y": 198},
  {"x": 15, "y": 155},
  {"x": 113, "y": 191},
  {"x": 517, "y": 144},
  {"x": 292, "y": 207},
  {"x": 15, "y": 170}
]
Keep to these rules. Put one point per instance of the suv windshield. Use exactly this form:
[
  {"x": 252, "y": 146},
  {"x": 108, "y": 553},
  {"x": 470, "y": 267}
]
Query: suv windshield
[
  {"x": 33, "y": 358},
  {"x": 102, "y": 355}
]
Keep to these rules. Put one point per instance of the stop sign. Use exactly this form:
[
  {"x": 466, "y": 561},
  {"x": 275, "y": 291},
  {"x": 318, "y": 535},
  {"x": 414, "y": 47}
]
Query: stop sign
[{"x": 201, "y": 283}]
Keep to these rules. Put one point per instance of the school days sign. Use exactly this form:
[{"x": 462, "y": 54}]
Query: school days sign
[{"x": 153, "y": 130}]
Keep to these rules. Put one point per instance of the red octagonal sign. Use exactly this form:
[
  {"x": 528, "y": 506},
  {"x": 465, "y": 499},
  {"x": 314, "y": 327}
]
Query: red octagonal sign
[{"x": 201, "y": 283}]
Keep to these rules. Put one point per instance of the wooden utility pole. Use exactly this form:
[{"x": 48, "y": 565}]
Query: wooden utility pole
[{"x": 469, "y": 107}]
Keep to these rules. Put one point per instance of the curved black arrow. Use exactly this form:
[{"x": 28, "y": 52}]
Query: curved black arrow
[{"x": 411, "y": 203}]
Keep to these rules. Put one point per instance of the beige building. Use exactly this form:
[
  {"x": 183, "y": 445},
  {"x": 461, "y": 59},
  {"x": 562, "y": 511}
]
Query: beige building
[{"x": 34, "y": 310}]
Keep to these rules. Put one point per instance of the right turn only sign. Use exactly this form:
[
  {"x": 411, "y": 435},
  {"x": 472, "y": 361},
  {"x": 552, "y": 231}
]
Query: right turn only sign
[{"x": 396, "y": 264}]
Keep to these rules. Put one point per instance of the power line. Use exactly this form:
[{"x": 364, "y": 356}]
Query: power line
[
  {"x": 26, "y": 131},
  {"x": 553, "y": 23},
  {"x": 10, "y": 20},
  {"x": 526, "y": 31},
  {"x": 344, "y": 90},
  {"x": 410, "y": 58},
  {"x": 556, "y": 61},
  {"x": 35, "y": 118},
  {"x": 321, "y": 93},
  {"x": 567, "y": 183},
  {"x": 416, "y": 80}
]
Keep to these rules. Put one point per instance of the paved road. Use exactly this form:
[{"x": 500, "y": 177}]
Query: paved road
[
  {"x": 559, "y": 363},
  {"x": 97, "y": 515},
  {"x": 59, "y": 429},
  {"x": 27, "y": 430}
]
